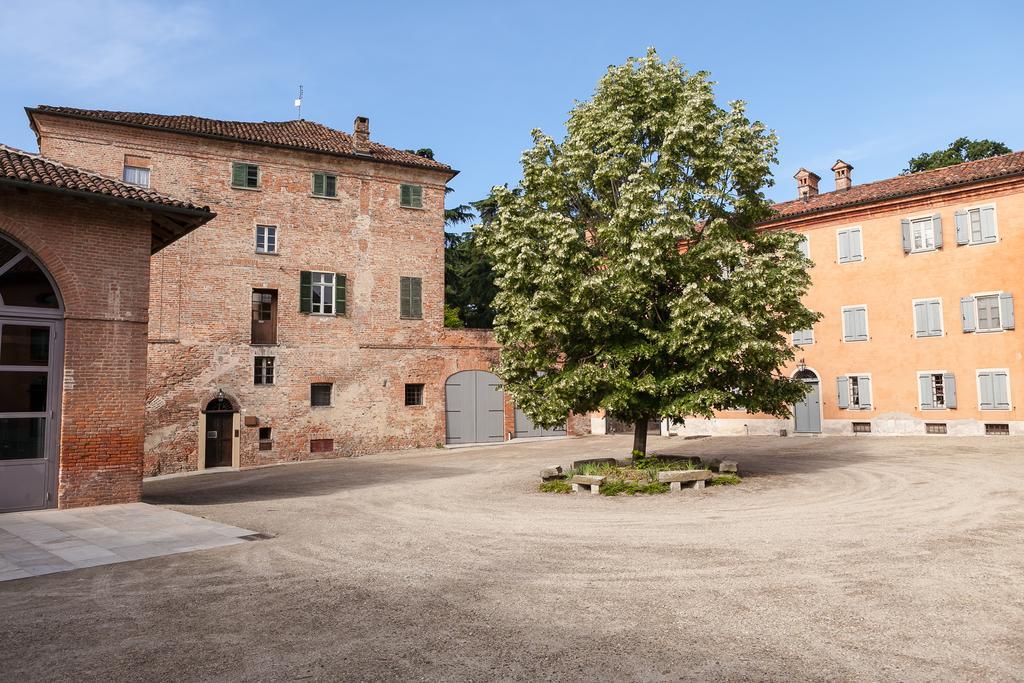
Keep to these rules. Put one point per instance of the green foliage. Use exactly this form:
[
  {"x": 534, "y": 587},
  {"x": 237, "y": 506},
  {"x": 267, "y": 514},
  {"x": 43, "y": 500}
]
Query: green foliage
[
  {"x": 959, "y": 151},
  {"x": 658, "y": 465},
  {"x": 451, "y": 317},
  {"x": 632, "y": 488},
  {"x": 556, "y": 486},
  {"x": 630, "y": 275},
  {"x": 724, "y": 480},
  {"x": 468, "y": 280},
  {"x": 593, "y": 469}
]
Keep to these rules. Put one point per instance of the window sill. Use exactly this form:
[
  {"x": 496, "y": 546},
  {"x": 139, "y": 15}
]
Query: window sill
[
  {"x": 319, "y": 407},
  {"x": 323, "y": 196},
  {"x": 417, "y": 406},
  {"x": 414, "y": 208},
  {"x": 846, "y": 263},
  {"x": 246, "y": 189},
  {"x": 410, "y": 319},
  {"x": 922, "y": 251},
  {"x": 263, "y": 344},
  {"x": 977, "y": 244},
  {"x": 265, "y": 385},
  {"x": 990, "y": 331},
  {"x": 929, "y": 336},
  {"x": 267, "y": 253}
]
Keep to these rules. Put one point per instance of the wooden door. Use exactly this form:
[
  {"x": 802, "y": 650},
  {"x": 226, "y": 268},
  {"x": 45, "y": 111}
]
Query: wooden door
[
  {"x": 219, "y": 438},
  {"x": 264, "y": 316}
]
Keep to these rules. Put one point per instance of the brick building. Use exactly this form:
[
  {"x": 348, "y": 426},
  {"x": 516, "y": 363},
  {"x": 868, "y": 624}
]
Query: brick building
[
  {"x": 306, "y": 320},
  {"x": 74, "y": 294},
  {"x": 916, "y": 277}
]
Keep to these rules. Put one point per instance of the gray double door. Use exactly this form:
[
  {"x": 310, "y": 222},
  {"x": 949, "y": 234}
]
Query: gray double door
[
  {"x": 525, "y": 427},
  {"x": 807, "y": 413},
  {"x": 474, "y": 408}
]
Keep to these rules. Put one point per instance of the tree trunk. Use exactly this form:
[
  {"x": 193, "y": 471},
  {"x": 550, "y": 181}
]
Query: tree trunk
[{"x": 640, "y": 437}]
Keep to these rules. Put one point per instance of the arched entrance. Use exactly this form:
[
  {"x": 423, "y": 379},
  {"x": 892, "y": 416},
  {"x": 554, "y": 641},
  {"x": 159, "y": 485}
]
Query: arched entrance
[
  {"x": 474, "y": 408},
  {"x": 31, "y": 377},
  {"x": 219, "y": 439},
  {"x": 807, "y": 413}
]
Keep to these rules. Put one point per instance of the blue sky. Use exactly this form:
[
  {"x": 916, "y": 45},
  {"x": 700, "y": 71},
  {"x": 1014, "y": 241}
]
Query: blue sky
[{"x": 872, "y": 83}]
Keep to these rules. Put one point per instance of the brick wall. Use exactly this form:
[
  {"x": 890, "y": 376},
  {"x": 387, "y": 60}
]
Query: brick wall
[
  {"x": 202, "y": 285},
  {"x": 99, "y": 257}
]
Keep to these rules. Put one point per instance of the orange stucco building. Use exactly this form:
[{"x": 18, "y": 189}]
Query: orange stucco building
[{"x": 915, "y": 277}]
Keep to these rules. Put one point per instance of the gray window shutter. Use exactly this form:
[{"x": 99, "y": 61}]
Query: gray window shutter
[
  {"x": 861, "y": 319},
  {"x": 988, "y": 224},
  {"x": 921, "y": 318},
  {"x": 924, "y": 383},
  {"x": 1006, "y": 310},
  {"x": 856, "y": 248},
  {"x": 967, "y": 313},
  {"x": 798, "y": 338},
  {"x": 1000, "y": 390},
  {"x": 905, "y": 229},
  {"x": 864, "y": 385},
  {"x": 848, "y": 325},
  {"x": 340, "y": 293},
  {"x": 986, "y": 397},
  {"x": 305, "y": 291},
  {"x": 963, "y": 227},
  {"x": 804, "y": 246},
  {"x": 844, "y": 246},
  {"x": 935, "y": 318},
  {"x": 843, "y": 391},
  {"x": 937, "y": 227},
  {"x": 949, "y": 387}
]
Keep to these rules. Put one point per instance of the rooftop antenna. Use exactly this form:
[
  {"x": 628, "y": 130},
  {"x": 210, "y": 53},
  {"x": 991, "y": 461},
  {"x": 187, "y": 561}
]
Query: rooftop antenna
[{"x": 298, "y": 103}]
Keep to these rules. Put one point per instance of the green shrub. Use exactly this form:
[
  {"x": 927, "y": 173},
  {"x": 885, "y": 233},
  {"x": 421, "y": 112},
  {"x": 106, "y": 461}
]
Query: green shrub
[
  {"x": 631, "y": 488},
  {"x": 724, "y": 480},
  {"x": 593, "y": 469},
  {"x": 556, "y": 486}
]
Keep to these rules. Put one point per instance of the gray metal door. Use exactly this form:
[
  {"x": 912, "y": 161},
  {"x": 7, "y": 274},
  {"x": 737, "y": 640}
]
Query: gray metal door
[
  {"x": 526, "y": 428},
  {"x": 30, "y": 383},
  {"x": 807, "y": 413},
  {"x": 474, "y": 408}
]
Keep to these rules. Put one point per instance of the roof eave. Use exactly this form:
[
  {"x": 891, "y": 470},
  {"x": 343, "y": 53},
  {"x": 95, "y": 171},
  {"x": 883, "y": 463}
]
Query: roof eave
[{"x": 32, "y": 111}]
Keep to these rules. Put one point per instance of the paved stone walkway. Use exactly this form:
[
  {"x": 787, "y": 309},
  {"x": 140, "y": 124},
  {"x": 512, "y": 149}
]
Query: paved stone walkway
[{"x": 48, "y": 541}]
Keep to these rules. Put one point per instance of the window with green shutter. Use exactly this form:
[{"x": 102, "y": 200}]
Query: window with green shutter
[
  {"x": 411, "y": 296},
  {"x": 325, "y": 185},
  {"x": 340, "y": 293},
  {"x": 245, "y": 175},
  {"x": 411, "y": 196}
]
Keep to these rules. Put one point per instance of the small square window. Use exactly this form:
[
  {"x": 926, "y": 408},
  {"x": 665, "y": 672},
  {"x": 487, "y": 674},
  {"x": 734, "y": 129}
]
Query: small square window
[
  {"x": 266, "y": 239},
  {"x": 935, "y": 428},
  {"x": 321, "y": 445},
  {"x": 245, "y": 175},
  {"x": 264, "y": 373},
  {"x": 325, "y": 185},
  {"x": 411, "y": 196},
  {"x": 136, "y": 175},
  {"x": 861, "y": 427},
  {"x": 413, "y": 394},
  {"x": 320, "y": 394},
  {"x": 266, "y": 439}
]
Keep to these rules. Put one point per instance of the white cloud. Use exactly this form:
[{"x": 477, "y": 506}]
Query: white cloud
[{"x": 82, "y": 44}]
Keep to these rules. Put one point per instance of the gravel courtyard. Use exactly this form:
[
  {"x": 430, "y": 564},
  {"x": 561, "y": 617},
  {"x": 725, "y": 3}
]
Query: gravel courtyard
[{"x": 837, "y": 558}]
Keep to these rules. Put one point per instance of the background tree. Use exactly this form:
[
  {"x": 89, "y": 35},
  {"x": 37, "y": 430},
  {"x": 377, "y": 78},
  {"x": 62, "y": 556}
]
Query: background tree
[
  {"x": 630, "y": 274},
  {"x": 959, "y": 151}
]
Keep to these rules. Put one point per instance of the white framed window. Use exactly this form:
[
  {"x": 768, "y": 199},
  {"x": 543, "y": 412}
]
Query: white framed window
[
  {"x": 976, "y": 225},
  {"x": 849, "y": 246},
  {"x": 936, "y": 390},
  {"x": 322, "y": 293},
  {"x": 993, "y": 389},
  {"x": 855, "y": 323},
  {"x": 136, "y": 175},
  {"x": 854, "y": 392},
  {"x": 987, "y": 312},
  {"x": 928, "y": 317},
  {"x": 923, "y": 232},
  {"x": 266, "y": 239}
]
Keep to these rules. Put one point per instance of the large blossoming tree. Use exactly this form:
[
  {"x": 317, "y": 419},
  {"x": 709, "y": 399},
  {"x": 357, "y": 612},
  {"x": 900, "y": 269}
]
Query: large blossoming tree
[{"x": 631, "y": 272}]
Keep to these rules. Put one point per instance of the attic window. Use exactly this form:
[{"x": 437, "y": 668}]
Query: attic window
[{"x": 136, "y": 170}]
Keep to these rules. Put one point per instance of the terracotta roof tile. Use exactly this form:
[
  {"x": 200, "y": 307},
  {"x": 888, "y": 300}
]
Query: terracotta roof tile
[
  {"x": 19, "y": 166},
  {"x": 300, "y": 134},
  {"x": 905, "y": 185}
]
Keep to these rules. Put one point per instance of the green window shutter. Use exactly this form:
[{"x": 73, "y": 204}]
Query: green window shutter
[
  {"x": 416, "y": 298},
  {"x": 405, "y": 296},
  {"x": 305, "y": 292},
  {"x": 330, "y": 186},
  {"x": 238, "y": 174},
  {"x": 318, "y": 184},
  {"x": 406, "y": 195},
  {"x": 340, "y": 293},
  {"x": 417, "y": 196}
]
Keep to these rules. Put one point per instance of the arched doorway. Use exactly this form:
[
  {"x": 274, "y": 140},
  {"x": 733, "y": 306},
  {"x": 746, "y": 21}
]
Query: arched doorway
[
  {"x": 219, "y": 439},
  {"x": 807, "y": 413},
  {"x": 474, "y": 408},
  {"x": 31, "y": 375}
]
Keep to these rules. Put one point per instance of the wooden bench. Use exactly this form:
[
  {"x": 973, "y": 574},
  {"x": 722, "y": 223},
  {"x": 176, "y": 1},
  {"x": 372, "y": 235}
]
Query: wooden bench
[
  {"x": 691, "y": 478},
  {"x": 581, "y": 481}
]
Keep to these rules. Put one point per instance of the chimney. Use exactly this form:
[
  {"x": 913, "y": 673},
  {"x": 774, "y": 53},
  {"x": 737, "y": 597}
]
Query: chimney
[
  {"x": 843, "y": 178},
  {"x": 361, "y": 135},
  {"x": 806, "y": 183}
]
